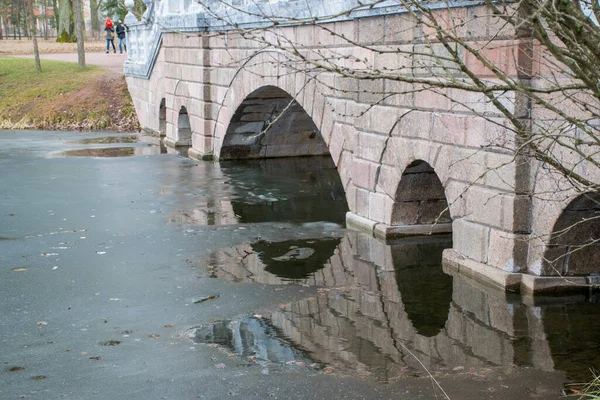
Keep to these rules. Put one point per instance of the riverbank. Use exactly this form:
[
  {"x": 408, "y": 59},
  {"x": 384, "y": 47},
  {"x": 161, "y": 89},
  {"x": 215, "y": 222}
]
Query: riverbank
[{"x": 63, "y": 97}]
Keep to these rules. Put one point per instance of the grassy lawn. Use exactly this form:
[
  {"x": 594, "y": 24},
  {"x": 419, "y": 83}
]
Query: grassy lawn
[
  {"x": 21, "y": 84},
  {"x": 61, "y": 97}
]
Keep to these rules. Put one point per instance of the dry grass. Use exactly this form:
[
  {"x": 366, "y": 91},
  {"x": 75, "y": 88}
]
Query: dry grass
[{"x": 23, "y": 47}]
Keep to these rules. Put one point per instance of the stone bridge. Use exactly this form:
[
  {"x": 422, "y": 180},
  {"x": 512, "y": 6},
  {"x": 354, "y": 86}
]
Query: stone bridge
[{"x": 412, "y": 160}]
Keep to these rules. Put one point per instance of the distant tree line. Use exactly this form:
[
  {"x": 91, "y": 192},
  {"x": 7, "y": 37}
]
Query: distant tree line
[{"x": 56, "y": 18}]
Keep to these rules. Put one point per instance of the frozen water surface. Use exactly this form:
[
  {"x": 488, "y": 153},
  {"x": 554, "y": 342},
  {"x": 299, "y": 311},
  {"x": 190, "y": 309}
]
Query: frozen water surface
[{"x": 130, "y": 273}]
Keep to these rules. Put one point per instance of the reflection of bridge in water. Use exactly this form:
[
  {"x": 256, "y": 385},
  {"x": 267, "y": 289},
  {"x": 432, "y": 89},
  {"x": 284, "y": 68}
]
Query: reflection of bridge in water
[{"x": 377, "y": 299}]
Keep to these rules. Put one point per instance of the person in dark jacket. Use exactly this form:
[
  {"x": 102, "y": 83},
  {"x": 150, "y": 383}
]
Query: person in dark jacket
[
  {"x": 121, "y": 29},
  {"x": 110, "y": 32}
]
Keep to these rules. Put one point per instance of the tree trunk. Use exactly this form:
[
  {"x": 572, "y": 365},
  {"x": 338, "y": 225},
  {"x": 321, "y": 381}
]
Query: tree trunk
[
  {"x": 26, "y": 19},
  {"x": 36, "y": 52},
  {"x": 19, "y": 22},
  {"x": 80, "y": 33},
  {"x": 66, "y": 20},
  {"x": 55, "y": 11},
  {"x": 45, "y": 20},
  {"x": 1, "y": 20},
  {"x": 94, "y": 17}
]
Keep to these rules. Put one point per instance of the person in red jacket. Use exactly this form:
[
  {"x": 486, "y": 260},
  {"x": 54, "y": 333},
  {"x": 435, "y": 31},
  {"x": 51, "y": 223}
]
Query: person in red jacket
[{"x": 110, "y": 35}]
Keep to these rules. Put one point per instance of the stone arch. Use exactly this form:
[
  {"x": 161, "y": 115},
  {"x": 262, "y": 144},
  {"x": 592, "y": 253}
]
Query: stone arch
[
  {"x": 420, "y": 198},
  {"x": 574, "y": 247},
  {"x": 269, "y": 123},
  {"x": 162, "y": 117},
  {"x": 184, "y": 128},
  {"x": 268, "y": 68},
  {"x": 157, "y": 94}
]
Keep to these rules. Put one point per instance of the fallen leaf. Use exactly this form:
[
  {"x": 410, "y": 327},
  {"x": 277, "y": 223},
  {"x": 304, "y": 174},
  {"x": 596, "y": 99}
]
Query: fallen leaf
[
  {"x": 110, "y": 343},
  {"x": 38, "y": 377},
  {"x": 42, "y": 323},
  {"x": 220, "y": 366},
  {"x": 97, "y": 358},
  {"x": 169, "y": 326},
  {"x": 202, "y": 300},
  {"x": 16, "y": 369},
  {"x": 20, "y": 269},
  {"x": 154, "y": 336}
]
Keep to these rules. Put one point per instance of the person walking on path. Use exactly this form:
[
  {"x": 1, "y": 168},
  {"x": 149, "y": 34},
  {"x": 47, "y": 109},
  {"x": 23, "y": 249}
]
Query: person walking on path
[
  {"x": 110, "y": 35},
  {"x": 121, "y": 29}
]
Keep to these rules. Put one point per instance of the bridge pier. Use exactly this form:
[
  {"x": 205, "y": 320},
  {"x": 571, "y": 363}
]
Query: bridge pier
[{"x": 390, "y": 232}]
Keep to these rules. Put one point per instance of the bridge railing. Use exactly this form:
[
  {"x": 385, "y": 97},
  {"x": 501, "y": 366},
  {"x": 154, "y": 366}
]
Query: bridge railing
[
  {"x": 183, "y": 16},
  {"x": 143, "y": 41}
]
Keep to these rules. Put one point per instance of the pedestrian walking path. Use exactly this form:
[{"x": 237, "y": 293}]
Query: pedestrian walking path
[{"x": 112, "y": 61}]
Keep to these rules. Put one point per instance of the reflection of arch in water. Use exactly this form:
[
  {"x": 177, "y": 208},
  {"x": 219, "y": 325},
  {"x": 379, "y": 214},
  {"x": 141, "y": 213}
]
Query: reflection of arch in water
[
  {"x": 574, "y": 247},
  {"x": 295, "y": 259},
  {"x": 278, "y": 263},
  {"x": 359, "y": 322},
  {"x": 301, "y": 190},
  {"x": 360, "y": 325},
  {"x": 425, "y": 289},
  {"x": 573, "y": 335}
]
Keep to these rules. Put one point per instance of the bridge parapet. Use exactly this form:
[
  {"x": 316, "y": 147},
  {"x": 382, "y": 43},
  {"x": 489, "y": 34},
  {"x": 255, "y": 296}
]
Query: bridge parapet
[
  {"x": 143, "y": 42},
  {"x": 188, "y": 16}
]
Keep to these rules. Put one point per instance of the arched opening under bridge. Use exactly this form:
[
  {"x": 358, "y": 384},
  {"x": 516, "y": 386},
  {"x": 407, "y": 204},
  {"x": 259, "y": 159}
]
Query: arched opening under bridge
[
  {"x": 162, "y": 118},
  {"x": 269, "y": 123},
  {"x": 574, "y": 245},
  {"x": 420, "y": 199},
  {"x": 184, "y": 129}
]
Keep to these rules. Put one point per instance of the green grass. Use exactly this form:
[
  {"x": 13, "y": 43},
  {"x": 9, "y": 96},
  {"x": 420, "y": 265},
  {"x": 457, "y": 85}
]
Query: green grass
[
  {"x": 21, "y": 84},
  {"x": 63, "y": 97}
]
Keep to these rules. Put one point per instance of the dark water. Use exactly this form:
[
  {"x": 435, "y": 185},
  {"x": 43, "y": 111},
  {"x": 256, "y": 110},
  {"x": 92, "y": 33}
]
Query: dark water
[{"x": 146, "y": 267}]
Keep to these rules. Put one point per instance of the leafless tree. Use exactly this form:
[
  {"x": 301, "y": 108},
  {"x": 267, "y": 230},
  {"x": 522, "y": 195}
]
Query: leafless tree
[
  {"x": 33, "y": 27},
  {"x": 80, "y": 33}
]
